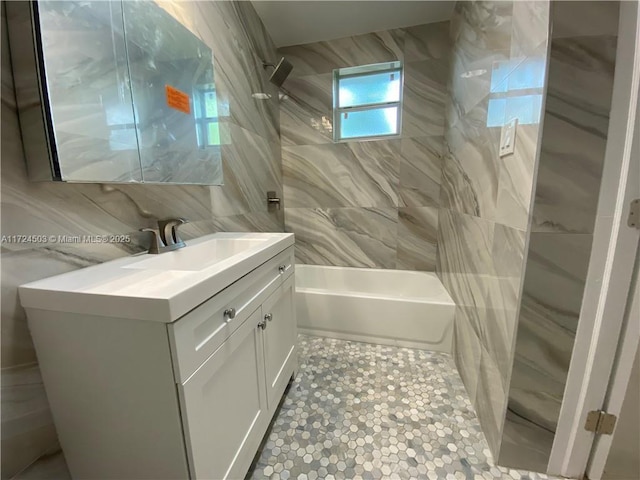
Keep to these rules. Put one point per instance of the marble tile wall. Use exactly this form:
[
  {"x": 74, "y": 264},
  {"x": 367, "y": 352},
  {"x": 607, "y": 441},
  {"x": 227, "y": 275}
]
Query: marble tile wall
[
  {"x": 365, "y": 203},
  {"x": 574, "y": 137},
  {"x": 485, "y": 199},
  {"x": 252, "y": 165}
]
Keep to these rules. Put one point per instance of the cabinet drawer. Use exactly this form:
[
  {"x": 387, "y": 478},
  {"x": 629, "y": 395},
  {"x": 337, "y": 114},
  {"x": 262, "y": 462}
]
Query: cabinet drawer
[{"x": 197, "y": 335}]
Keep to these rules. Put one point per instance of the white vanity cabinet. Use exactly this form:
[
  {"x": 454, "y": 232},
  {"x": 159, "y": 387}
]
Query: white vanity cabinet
[
  {"x": 189, "y": 398},
  {"x": 244, "y": 377}
]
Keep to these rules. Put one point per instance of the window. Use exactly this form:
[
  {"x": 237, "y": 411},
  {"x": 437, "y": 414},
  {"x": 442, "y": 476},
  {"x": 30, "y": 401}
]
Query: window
[{"x": 367, "y": 101}]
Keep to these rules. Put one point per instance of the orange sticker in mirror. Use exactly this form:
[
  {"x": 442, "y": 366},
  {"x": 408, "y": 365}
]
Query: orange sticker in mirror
[{"x": 176, "y": 99}]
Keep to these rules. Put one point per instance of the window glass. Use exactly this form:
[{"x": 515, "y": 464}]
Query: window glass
[
  {"x": 373, "y": 122},
  {"x": 369, "y": 89},
  {"x": 367, "y": 101}
]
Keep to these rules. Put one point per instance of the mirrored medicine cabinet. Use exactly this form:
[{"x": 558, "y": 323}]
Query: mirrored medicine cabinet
[{"x": 113, "y": 92}]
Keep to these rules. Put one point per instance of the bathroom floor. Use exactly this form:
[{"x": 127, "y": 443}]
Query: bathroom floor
[{"x": 362, "y": 411}]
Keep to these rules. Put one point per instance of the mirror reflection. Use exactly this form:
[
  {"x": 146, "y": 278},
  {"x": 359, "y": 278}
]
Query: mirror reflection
[{"x": 174, "y": 96}]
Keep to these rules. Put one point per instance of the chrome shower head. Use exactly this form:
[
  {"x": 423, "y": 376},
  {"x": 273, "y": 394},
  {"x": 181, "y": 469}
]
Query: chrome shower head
[{"x": 280, "y": 71}]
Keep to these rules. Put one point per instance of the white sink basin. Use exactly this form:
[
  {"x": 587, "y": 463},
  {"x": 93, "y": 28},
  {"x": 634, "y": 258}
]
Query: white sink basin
[
  {"x": 198, "y": 257},
  {"x": 160, "y": 287}
]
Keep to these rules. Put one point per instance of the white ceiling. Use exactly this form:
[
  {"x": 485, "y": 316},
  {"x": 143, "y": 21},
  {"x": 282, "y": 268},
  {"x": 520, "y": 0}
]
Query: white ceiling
[{"x": 296, "y": 22}]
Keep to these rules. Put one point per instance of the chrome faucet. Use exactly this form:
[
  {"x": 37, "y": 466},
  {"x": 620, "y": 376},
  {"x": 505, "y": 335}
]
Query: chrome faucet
[{"x": 165, "y": 238}]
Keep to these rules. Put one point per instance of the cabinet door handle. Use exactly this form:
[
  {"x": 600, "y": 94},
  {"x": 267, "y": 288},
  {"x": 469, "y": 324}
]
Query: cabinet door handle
[
  {"x": 262, "y": 324},
  {"x": 268, "y": 316},
  {"x": 230, "y": 314},
  {"x": 282, "y": 268}
]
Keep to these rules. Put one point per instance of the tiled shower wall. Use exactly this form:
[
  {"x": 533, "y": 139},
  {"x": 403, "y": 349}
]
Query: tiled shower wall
[
  {"x": 365, "y": 203},
  {"x": 251, "y": 162},
  {"x": 581, "y": 70},
  {"x": 485, "y": 200}
]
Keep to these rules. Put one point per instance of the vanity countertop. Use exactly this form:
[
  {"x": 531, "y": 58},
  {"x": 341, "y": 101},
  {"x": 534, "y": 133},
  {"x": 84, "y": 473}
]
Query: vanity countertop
[{"x": 160, "y": 287}]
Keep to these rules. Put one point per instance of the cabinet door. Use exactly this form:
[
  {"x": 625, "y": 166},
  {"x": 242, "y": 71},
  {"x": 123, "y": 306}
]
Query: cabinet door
[
  {"x": 224, "y": 406},
  {"x": 279, "y": 340},
  {"x": 174, "y": 96}
]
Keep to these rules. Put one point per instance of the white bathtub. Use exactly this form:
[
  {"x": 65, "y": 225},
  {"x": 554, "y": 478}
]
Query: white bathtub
[{"x": 390, "y": 307}]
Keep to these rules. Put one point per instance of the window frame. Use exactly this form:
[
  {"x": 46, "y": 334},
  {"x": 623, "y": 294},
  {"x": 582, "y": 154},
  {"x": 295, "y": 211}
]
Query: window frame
[{"x": 365, "y": 71}]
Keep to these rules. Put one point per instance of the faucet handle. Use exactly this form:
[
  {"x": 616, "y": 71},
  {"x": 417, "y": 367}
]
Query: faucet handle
[
  {"x": 155, "y": 240},
  {"x": 168, "y": 230},
  {"x": 174, "y": 229}
]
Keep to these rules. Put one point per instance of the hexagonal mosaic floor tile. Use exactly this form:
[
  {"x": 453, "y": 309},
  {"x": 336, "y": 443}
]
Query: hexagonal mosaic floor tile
[{"x": 362, "y": 411}]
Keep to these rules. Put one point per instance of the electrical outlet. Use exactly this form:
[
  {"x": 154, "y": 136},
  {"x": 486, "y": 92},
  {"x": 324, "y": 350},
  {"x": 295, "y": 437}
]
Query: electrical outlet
[{"x": 508, "y": 138}]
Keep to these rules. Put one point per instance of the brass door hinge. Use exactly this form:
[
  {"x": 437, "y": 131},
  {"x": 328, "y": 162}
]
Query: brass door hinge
[{"x": 600, "y": 422}]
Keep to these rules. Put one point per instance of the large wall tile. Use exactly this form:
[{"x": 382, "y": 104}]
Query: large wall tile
[
  {"x": 515, "y": 186},
  {"x": 508, "y": 251},
  {"x": 417, "y": 238},
  {"x": 349, "y": 237},
  {"x": 530, "y": 28},
  {"x": 504, "y": 296},
  {"x": 251, "y": 31},
  {"x": 537, "y": 383},
  {"x": 425, "y": 95},
  {"x": 565, "y": 205},
  {"x": 238, "y": 66},
  {"x": 306, "y": 113},
  {"x": 481, "y": 32},
  {"x": 470, "y": 175},
  {"x": 490, "y": 401},
  {"x": 554, "y": 282},
  {"x": 502, "y": 299},
  {"x": 569, "y": 173},
  {"x": 456, "y": 191},
  {"x": 472, "y": 125},
  {"x": 324, "y": 57},
  {"x": 425, "y": 42},
  {"x": 470, "y": 79},
  {"x": 575, "y": 18},
  {"x": 49, "y": 466},
  {"x": 472, "y": 172},
  {"x": 485, "y": 200},
  {"x": 574, "y": 141},
  {"x": 251, "y": 222},
  {"x": 467, "y": 351},
  {"x": 491, "y": 297},
  {"x": 581, "y": 81},
  {"x": 562, "y": 261},
  {"x": 465, "y": 263},
  {"x": 328, "y": 179},
  {"x": 252, "y": 166},
  {"x": 524, "y": 444},
  {"x": 421, "y": 171},
  {"x": 496, "y": 336},
  {"x": 28, "y": 265},
  {"x": 466, "y": 243},
  {"x": 353, "y": 174},
  {"x": 27, "y": 426}
]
